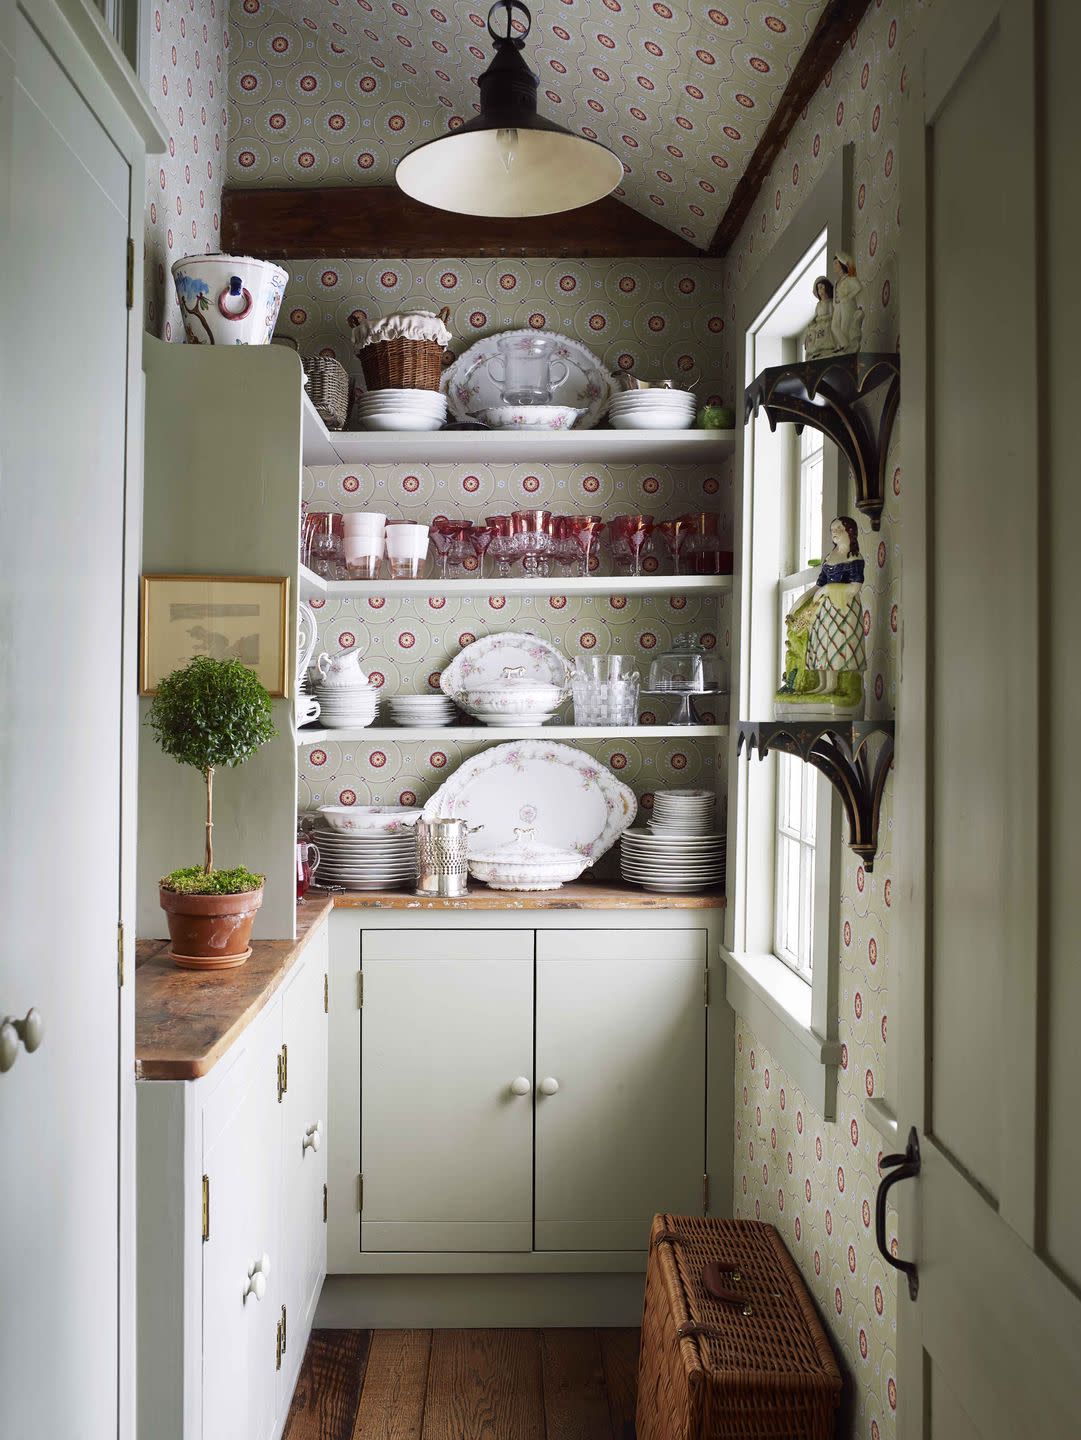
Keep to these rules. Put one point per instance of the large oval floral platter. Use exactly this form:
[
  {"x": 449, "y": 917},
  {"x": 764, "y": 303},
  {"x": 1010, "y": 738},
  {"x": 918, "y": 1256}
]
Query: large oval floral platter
[
  {"x": 483, "y": 662},
  {"x": 569, "y": 799},
  {"x": 469, "y": 387}
]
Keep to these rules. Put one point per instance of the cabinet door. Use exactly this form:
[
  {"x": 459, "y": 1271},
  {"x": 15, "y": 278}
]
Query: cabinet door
[
  {"x": 446, "y": 1143},
  {"x": 304, "y": 1153},
  {"x": 621, "y": 1084},
  {"x": 241, "y": 1129}
]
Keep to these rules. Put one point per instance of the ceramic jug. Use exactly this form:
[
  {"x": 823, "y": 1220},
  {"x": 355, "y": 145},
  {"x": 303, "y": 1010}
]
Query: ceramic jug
[{"x": 341, "y": 670}]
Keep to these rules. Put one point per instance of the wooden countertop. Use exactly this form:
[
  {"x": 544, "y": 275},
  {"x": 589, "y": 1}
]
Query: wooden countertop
[{"x": 185, "y": 1020}]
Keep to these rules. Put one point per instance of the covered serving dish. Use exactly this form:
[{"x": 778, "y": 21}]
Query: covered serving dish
[
  {"x": 514, "y": 698},
  {"x": 526, "y": 863}
]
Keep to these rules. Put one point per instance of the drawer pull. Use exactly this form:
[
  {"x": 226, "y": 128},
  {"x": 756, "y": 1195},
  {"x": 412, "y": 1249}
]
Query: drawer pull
[
  {"x": 313, "y": 1138},
  {"x": 549, "y": 1085},
  {"x": 258, "y": 1275},
  {"x": 520, "y": 1085}
]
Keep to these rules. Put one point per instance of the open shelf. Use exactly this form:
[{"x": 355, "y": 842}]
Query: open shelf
[
  {"x": 313, "y": 587},
  {"x": 388, "y": 734},
  {"x": 512, "y": 447},
  {"x": 842, "y": 750},
  {"x": 578, "y": 895}
]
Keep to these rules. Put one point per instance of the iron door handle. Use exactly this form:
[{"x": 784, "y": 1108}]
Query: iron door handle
[{"x": 901, "y": 1167}]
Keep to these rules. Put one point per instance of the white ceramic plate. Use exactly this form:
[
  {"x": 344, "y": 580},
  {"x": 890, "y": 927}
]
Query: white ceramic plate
[
  {"x": 655, "y": 420},
  {"x": 486, "y": 659},
  {"x": 401, "y": 420},
  {"x": 469, "y": 387},
  {"x": 570, "y": 799}
]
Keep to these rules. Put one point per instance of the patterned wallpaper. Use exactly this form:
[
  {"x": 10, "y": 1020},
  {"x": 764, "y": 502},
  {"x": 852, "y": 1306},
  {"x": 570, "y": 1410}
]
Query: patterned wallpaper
[
  {"x": 327, "y": 93},
  {"x": 406, "y": 642},
  {"x": 660, "y": 318},
  {"x": 188, "y": 52},
  {"x": 817, "y": 1181}
]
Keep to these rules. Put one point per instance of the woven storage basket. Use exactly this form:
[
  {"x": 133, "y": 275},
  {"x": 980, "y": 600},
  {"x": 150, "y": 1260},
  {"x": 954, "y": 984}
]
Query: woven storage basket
[
  {"x": 328, "y": 389},
  {"x": 404, "y": 364},
  {"x": 757, "y": 1366}
]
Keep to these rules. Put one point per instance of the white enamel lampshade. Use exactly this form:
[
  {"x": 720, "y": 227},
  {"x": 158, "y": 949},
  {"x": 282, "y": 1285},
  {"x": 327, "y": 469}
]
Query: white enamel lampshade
[{"x": 509, "y": 161}]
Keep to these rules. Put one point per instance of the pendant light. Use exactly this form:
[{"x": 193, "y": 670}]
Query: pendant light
[{"x": 509, "y": 161}]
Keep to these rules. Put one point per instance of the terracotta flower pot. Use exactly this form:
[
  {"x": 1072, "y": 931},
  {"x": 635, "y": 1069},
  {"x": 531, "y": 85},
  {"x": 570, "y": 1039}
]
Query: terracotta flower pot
[{"x": 210, "y": 932}]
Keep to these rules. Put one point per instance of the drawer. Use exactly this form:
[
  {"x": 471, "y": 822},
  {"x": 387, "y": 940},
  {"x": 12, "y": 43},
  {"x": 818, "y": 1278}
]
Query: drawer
[
  {"x": 621, "y": 945},
  {"x": 446, "y": 944}
]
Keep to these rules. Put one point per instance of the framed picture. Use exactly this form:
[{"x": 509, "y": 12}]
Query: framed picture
[{"x": 228, "y": 617}]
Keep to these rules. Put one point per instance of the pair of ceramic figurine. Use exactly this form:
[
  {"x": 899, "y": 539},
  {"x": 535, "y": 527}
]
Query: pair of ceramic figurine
[{"x": 837, "y": 327}]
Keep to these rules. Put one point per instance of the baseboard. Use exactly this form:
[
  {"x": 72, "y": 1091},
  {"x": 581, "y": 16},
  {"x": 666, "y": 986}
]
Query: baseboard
[{"x": 455, "y": 1302}]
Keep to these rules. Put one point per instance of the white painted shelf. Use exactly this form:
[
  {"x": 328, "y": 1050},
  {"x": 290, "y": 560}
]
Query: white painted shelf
[
  {"x": 511, "y": 447},
  {"x": 313, "y": 586},
  {"x": 386, "y": 734}
]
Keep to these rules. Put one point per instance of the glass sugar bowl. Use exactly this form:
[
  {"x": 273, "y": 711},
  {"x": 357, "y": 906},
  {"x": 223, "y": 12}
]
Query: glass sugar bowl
[{"x": 688, "y": 670}]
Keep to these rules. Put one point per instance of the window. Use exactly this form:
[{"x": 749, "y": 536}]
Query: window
[{"x": 785, "y": 839}]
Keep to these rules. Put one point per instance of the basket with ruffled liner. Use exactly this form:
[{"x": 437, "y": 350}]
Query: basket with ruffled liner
[{"x": 403, "y": 352}]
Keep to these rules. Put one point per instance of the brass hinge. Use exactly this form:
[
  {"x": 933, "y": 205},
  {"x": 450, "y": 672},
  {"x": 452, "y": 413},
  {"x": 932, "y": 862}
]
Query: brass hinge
[
  {"x": 278, "y": 1359},
  {"x": 130, "y": 273},
  {"x": 283, "y": 1072},
  {"x": 285, "y": 1332},
  {"x": 360, "y": 1192},
  {"x": 324, "y": 1204},
  {"x": 326, "y": 994},
  {"x": 705, "y": 986},
  {"x": 705, "y": 1194},
  {"x": 281, "y": 1087},
  {"x": 360, "y": 989},
  {"x": 120, "y": 956},
  {"x": 206, "y": 1208}
]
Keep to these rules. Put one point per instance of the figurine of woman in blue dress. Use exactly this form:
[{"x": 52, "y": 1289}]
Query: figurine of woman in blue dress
[{"x": 825, "y": 653}]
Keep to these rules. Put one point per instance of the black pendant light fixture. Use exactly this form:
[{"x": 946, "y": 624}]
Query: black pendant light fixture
[{"x": 509, "y": 161}]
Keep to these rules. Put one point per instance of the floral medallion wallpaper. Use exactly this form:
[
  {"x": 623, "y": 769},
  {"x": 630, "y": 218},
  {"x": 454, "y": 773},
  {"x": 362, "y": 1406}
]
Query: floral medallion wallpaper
[
  {"x": 186, "y": 76},
  {"x": 327, "y": 93},
  {"x": 817, "y": 1181}
]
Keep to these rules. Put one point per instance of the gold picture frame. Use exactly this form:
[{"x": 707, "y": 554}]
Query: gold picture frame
[{"x": 251, "y": 618}]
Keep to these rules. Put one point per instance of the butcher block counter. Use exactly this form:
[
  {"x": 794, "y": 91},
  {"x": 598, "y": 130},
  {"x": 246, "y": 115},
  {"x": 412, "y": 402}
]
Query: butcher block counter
[{"x": 186, "y": 1021}]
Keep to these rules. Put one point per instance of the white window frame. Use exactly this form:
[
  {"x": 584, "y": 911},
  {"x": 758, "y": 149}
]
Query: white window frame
[{"x": 794, "y": 1017}]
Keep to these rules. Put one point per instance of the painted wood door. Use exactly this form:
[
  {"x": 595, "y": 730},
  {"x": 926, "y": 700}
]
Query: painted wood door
[
  {"x": 990, "y": 988},
  {"x": 446, "y": 1142},
  {"x": 621, "y": 1084},
  {"x": 63, "y": 416},
  {"x": 241, "y": 1138},
  {"x": 303, "y": 1150}
]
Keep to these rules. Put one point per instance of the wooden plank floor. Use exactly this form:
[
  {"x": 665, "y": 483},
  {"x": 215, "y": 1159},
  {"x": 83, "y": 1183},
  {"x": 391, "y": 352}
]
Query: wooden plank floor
[{"x": 466, "y": 1385}]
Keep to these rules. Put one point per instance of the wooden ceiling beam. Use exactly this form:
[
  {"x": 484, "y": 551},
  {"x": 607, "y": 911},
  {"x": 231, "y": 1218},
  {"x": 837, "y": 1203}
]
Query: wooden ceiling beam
[
  {"x": 833, "y": 31},
  {"x": 344, "y": 222}
]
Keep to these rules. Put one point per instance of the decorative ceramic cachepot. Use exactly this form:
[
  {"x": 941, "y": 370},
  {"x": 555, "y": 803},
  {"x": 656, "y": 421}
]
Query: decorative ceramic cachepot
[
  {"x": 228, "y": 299},
  {"x": 210, "y": 932}
]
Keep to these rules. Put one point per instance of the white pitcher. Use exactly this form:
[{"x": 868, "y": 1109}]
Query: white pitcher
[{"x": 341, "y": 671}]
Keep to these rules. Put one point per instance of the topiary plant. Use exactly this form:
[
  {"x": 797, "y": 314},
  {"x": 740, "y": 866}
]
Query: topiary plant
[{"x": 207, "y": 714}]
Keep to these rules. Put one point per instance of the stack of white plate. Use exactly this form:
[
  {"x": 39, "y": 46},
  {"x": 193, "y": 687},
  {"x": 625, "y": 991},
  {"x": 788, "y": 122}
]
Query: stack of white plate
[
  {"x": 401, "y": 409},
  {"x": 372, "y": 860},
  {"x": 652, "y": 410},
  {"x": 347, "y": 707},
  {"x": 672, "y": 864},
  {"x": 422, "y": 710},
  {"x": 684, "y": 812}
]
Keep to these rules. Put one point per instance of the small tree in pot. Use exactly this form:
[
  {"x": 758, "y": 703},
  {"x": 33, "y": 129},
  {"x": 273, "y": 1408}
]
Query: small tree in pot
[{"x": 208, "y": 714}]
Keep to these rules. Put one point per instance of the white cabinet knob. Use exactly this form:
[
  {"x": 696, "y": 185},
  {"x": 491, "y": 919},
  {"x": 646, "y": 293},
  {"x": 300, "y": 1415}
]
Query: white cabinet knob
[
  {"x": 258, "y": 1275},
  {"x": 312, "y": 1138},
  {"x": 520, "y": 1085},
  {"x": 549, "y": 1085},
  {"x": 29, "y": 1031}
]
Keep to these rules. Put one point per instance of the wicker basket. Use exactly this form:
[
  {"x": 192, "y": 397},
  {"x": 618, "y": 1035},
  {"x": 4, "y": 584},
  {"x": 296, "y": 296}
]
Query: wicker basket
[
  {"x": 753, "y": 1365},
  {"x": 404, "y": 364},
  {"x": 328, "y": 389}
]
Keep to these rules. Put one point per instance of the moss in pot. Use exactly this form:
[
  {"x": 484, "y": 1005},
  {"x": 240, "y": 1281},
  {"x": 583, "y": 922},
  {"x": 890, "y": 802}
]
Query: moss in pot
[{"x": 208, "y": 714}]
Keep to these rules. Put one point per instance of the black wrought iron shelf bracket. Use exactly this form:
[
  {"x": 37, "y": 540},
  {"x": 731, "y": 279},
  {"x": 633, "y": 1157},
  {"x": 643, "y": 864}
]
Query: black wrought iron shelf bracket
[
  {"x": 854, "y": 755},
  {"x": 828, "y": 395}
]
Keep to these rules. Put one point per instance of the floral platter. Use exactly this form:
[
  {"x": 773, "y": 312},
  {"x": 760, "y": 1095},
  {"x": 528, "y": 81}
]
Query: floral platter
[
  {"x": 482, "y": 663},
  {"x": 470, "y": 388},
  {"x": 567, "y": 798}
]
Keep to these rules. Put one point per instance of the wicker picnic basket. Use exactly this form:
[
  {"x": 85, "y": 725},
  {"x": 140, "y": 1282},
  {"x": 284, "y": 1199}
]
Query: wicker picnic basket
[
  {"x": 404, "y": 364},
  {"x": 328, "y": 389},
  {"x": 732, "y": 1345}
]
